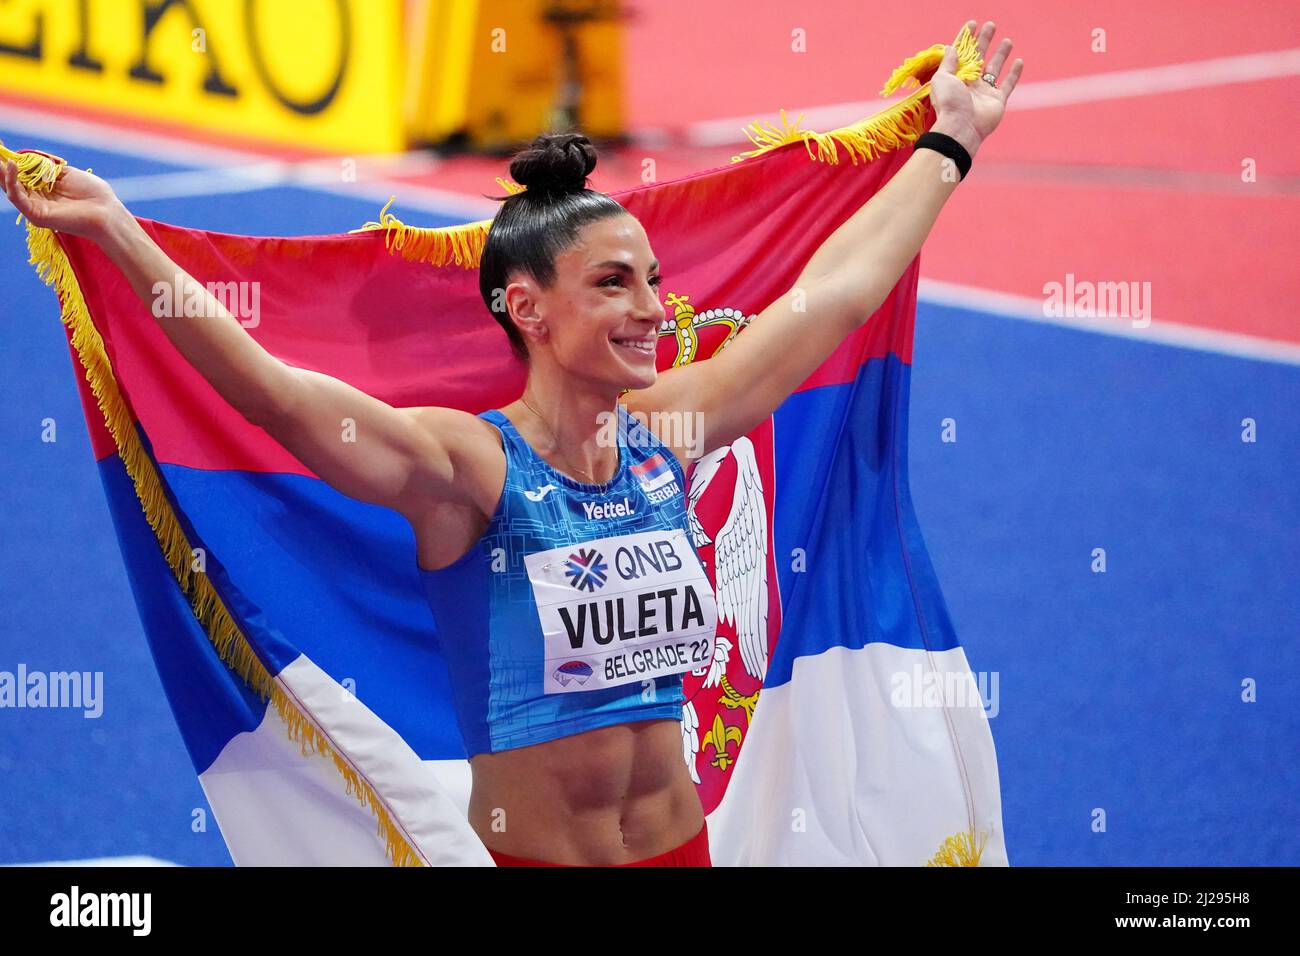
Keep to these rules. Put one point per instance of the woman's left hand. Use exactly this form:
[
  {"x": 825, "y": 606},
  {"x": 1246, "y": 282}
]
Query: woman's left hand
[{"x": 970, "y": 112}]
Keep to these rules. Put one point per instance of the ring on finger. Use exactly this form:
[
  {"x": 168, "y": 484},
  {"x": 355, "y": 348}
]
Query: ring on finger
[{"x": 990, "y": 79}]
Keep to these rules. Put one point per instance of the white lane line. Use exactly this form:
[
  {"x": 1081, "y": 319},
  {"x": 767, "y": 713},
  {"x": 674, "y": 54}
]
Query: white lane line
[
  {"x": 105, "y": 861},
  {"x": 1159, "y": 332},
  {"x": 249, "y": 171},
  {"x": 256, "y": 176},
  {"x": 242, "y": 171},
  {"x": 1140, "y": 177},
  {"x": 182, "y": 152},
  {"x": 197, "y": 182},
  {"x": 115, "y": 139},
  {"x": 1148, "y": 81},
  {"x": 1044, "y": 94}
]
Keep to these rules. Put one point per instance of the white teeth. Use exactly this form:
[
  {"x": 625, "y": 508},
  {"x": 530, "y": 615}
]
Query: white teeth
[{"x": 644, "y": 345}]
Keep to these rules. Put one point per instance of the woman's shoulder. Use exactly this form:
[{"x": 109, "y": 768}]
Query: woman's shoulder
[
  {"x": 467, "y": 449},
  {"x": 454, "y": 427}
]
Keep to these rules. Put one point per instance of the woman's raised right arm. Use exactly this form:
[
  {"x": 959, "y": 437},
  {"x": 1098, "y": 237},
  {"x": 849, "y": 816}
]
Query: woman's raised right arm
[{"x": 402, "y": 458}]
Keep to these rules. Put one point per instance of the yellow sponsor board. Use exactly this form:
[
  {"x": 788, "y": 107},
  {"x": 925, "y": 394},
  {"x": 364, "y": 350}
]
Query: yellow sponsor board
[
  {"x": 320, "y": 73},
  {"x": 498, "y": 72}
]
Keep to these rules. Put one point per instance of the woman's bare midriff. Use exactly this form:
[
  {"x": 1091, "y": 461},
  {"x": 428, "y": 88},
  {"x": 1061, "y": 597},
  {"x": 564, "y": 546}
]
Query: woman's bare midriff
[{"x": 606, "y": 796}]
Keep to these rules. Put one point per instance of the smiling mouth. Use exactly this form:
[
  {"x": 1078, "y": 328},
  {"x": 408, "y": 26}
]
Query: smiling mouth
[{"x": 641, "y": 346}]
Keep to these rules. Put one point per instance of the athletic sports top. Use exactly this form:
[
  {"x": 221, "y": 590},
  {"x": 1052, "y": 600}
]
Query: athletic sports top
[{"x": 582, "y": 605}]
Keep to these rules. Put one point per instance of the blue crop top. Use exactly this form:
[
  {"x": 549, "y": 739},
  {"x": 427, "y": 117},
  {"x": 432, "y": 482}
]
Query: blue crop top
[{"x": 581, "y": 606}]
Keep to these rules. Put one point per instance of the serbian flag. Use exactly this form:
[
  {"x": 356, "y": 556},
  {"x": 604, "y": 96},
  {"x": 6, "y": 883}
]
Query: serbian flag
[{"x": 287, "y": 620}]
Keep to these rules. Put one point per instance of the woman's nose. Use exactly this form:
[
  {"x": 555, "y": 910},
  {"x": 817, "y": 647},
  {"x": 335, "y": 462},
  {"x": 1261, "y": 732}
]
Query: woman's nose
[{"x": 652, "y": 307}]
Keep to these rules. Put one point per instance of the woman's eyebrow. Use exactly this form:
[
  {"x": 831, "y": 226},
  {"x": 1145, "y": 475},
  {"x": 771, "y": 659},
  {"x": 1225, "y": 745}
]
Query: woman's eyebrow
[{"x": 622, "y": 266}]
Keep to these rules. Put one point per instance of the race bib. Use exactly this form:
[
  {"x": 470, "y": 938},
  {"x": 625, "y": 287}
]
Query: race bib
[{"x": 630, "y": 607}]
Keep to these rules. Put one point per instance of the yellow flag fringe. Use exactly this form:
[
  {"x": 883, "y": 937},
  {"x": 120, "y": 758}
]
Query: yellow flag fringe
[
  {"x": 961, "y": 849},
  {"x": 892, "y": 128},
  {"x": 461, "y": 244},
  {"x": 40, "y": 171}
]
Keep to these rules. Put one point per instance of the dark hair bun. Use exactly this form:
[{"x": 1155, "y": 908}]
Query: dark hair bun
[{"x": 555, "y": 163}]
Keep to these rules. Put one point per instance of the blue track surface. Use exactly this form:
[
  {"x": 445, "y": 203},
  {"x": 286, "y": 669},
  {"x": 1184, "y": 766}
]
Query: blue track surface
[{"x": 1119, "y": 691}]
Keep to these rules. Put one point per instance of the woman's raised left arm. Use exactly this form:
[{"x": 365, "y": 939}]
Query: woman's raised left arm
[{"x": 844, "y": 282}]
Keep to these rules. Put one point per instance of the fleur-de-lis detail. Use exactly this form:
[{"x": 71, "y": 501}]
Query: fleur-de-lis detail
[{"x": 718, "y": 737}]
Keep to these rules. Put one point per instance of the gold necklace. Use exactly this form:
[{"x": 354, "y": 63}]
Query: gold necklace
[{"x": 556, "y": 441}]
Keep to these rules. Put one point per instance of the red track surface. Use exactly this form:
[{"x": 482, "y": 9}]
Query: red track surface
[
  {"x": 1219, "y": 253},
  {"x": 1141, "y": 188}
]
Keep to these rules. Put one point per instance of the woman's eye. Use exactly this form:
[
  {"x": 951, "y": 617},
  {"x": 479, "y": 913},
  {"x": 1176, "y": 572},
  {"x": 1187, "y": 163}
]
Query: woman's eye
[{"x": 655, "y": 280}]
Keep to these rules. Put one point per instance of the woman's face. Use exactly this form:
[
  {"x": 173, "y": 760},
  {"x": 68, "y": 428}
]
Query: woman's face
[{"x": 600, "y": 318}]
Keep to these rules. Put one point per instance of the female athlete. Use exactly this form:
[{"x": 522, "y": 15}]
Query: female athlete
[{"x": 574, "y": 740}]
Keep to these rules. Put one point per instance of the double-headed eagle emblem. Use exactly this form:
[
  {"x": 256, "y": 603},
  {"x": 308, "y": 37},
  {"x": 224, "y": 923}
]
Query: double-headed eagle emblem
[{"x": 739, "y": 551}]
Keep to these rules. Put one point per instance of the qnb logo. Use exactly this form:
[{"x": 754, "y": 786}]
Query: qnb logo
[
  {"x": 572, "y": 670},
  {"x": 586, "y": 569}
]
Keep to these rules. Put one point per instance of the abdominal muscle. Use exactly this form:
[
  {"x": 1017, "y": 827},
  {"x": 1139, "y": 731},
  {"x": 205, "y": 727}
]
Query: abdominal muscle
[{"x": 603, "y": 797}]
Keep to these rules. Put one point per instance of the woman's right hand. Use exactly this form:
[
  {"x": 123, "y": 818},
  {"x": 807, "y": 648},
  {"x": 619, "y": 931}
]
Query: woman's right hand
[{"x": 80, "y": 203}]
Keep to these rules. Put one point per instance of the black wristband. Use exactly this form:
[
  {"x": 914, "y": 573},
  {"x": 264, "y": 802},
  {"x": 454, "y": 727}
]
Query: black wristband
[{"x": 943, "y": 143}]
